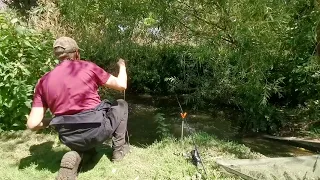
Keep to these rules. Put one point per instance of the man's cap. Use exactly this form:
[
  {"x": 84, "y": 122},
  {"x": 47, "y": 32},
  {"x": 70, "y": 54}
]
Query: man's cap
[{"x": 68, "y": 44}]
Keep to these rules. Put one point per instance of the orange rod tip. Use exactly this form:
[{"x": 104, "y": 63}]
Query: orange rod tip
[{"x": 183, "y": 115}]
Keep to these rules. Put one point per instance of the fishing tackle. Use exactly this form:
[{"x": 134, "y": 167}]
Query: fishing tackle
[{"x": 196, "y": 158}]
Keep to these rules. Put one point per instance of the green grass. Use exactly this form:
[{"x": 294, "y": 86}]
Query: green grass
[{"x": 29, "y": 155}]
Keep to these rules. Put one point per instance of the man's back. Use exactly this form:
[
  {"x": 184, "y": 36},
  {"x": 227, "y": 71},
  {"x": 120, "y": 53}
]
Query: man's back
[
  {"x": 69, "y": 91},
  {"x": 71, "y": 87}
]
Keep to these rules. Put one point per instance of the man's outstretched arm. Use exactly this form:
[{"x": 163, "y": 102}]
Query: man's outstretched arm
[
  {"x": 120, "y": 82},
  {"x": 35, "y": 119}
]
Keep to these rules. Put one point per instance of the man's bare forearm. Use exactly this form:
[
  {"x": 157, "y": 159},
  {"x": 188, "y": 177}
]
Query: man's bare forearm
[
  {"x": 119, "y": 82},
  {"x": 43, "y": 124},
  {"x": 122, "y": 76}
]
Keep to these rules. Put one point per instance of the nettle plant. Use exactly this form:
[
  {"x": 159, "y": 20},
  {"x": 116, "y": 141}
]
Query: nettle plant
[{"x": 25, "y": 55}]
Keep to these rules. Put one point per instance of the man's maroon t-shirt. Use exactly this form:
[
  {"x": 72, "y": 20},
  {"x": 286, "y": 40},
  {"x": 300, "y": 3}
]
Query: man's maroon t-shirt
[{"x": 71, "y": 87}]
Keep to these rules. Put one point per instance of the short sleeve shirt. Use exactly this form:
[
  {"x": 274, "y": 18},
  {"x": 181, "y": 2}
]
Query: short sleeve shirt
[{"x": 71, "y": 87}]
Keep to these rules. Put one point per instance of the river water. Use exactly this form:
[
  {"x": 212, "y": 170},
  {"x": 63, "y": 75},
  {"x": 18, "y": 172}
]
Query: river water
[{"x": 143, "y": 125}]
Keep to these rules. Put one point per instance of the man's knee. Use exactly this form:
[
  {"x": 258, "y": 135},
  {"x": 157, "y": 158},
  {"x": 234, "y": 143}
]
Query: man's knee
[
  {"x": 119, "y": 109},
  {"x": 122, "y": 102}
]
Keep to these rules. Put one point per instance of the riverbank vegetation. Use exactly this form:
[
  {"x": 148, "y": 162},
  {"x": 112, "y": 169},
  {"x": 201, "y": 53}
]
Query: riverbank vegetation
[{"x": 259, "y": 58}]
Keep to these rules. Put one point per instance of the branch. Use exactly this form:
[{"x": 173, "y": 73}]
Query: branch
[
  {"x": 215, "y": 25},
  {"x": 195, "y": 14},
  {"x": 200, "y": 32}
]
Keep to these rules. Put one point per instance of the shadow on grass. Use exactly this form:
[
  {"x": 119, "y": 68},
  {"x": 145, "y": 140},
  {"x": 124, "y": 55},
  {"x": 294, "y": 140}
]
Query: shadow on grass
[
  {"x": 90, "y": 160},
  {"x": 43, "y": 156}
]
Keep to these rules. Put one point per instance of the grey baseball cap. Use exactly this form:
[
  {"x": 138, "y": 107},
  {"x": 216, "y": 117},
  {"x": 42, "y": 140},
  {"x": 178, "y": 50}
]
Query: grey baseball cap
[{"x": 68, "y": 44}]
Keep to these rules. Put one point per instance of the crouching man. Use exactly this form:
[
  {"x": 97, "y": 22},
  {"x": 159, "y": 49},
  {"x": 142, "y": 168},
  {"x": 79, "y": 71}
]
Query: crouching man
[{"x": 83, "y": 121}]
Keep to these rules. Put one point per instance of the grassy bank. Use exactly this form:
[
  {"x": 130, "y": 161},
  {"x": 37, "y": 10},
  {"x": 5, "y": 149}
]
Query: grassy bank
[{"x": 27, "y": 155}]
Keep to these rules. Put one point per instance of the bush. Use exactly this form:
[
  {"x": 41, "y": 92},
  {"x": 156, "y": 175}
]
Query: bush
[{"x": 25, "y": 55}]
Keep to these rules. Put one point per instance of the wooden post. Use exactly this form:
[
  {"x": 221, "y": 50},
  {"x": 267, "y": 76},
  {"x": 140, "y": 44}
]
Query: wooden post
[{"x": 182, "y": 127}]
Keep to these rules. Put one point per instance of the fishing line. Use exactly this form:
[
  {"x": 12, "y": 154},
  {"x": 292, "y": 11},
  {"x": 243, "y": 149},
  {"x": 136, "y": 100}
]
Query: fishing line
[
  {"x": 194, "y": 153},
  {"x": 127, "y": 133}
]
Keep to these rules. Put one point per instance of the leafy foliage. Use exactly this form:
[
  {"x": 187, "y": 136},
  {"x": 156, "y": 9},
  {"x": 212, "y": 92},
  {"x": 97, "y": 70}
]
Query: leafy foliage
[
  {"x": 25, "y": 55},
  {"x": 258, "y": 56},
  {"x": 162, "y": 126}
]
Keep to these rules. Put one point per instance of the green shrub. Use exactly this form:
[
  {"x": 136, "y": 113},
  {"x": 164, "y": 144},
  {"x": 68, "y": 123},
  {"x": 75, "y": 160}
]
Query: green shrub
[
  {"x": 162, "y": 129},
  {"x": 25, "y": 55}
]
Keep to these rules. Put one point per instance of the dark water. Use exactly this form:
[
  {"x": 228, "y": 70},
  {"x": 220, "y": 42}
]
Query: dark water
[
  {"x": 274, "y": 148},
  {"x": 143, "y": 125}
]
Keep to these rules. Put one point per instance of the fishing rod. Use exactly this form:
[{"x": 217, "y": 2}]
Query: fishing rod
[{"x": 195, "y": 152}]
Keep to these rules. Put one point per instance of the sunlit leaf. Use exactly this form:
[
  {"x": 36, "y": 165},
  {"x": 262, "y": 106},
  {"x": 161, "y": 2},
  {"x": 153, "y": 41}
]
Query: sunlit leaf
[{"x": 15, "y": 20}]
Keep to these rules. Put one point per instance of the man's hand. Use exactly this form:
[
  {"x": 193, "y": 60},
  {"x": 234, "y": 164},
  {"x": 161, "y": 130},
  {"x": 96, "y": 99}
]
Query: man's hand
[
  {"x": 121, "y": 62},
  {"x": 43, "y": 125},
  {"x": 46, "y": 121}
]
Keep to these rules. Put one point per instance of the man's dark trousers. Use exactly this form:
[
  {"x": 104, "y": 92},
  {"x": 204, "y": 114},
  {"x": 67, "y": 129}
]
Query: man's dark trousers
[
  {"x": 119, "y": 114},
  {"x": 84, "y": 131}
]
